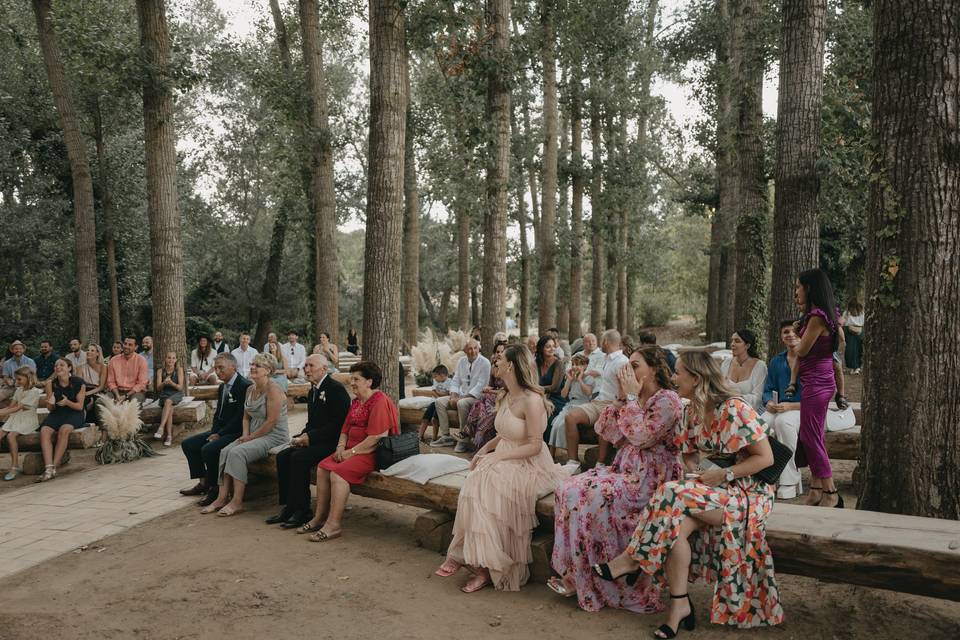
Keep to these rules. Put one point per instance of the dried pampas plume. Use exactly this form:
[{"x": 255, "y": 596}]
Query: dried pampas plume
[{"x": 122, "y": 423}]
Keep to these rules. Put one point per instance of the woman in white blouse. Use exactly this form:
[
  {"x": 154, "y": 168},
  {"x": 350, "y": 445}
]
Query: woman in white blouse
[
  {"x": 201, "y": 362},
  {"x": 745, "y": 371}
]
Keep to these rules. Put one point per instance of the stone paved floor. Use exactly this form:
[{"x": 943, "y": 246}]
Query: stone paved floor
[{"x": 40, "y": 521}]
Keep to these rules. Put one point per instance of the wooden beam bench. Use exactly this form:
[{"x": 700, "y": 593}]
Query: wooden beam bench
[
  {"x": 83, "y": 438},
  {"x": 878, "y": 550},
  {"x": 209, "y": 391},
  {"x": 192, "y": 411}
]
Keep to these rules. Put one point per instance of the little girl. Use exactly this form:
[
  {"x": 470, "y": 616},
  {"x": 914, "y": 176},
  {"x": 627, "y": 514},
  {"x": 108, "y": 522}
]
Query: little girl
[{"x": 21, "y": 415}]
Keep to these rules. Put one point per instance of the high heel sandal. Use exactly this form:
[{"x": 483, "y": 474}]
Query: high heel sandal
[
  {"x": 839, "y": 504},
  {"x": 689, "y": 622},
  {"x": 602, "y": 570}
]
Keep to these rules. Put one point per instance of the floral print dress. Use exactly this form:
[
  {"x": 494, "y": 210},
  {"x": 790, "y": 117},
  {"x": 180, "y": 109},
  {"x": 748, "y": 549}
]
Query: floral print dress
[
  {"x": 597, "y": 511},
  {"x": 735, "y": 555}
]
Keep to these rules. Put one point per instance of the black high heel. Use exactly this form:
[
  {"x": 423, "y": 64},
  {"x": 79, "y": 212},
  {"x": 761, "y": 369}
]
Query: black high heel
[
  {"x": 689, "y": 622},
  {"x": 602, "y": 570},
  {"x": 839, "y": 504}
]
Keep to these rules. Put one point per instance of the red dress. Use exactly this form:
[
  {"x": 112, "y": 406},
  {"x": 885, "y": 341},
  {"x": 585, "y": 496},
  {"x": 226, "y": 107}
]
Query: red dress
[{"x": 374, "y": 417}]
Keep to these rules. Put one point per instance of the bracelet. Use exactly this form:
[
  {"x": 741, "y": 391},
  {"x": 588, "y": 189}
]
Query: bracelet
[{"x": 353, "y": 451}]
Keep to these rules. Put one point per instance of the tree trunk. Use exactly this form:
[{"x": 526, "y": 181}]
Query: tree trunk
[
  {"x": 474, "y": 306},
  {"x": 546, "y": 248},
  {"x": 752, "y": 221},
  {"x": 445, "y": 310},
  {"x": 463, "y": 265},
  {"x": 524, "y": 301},
  {"x": 726, "y": 214},
  {"x": 109, "y": 224},
  {"x": 166, "y": 250},
  {"x": 498, "y": 172},
  {"x": 383, "y": 252},
  {"x": 411, "y": 231},
  {"x": 714, "y": 299},
  {"x": 532, "y": 176},
  {"x": 271, "y": 275},
  {"x": 911, "y": 410},
  {"x": 84, "y": 233},
  {"x": 428, "y": 305},
  {"x": 621, "y": 234},
  {"x": 796, "y": 234},
  {"x": 562, "y": 262},
  {"x": 597, "y": 222},
  {"x": 576, "y": 208},
  {"x": 322, "y": 194}
]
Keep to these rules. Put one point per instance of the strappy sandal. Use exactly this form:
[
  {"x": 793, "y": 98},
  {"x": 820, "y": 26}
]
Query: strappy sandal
[
  {"x": 322, "y": 536},
  {"x": 448, "y": 568},
  {"x": 602, "y": 570},
  {"x": 476, "y": 583},
  {"x": 557, "y": 585},
  {"x": 689, "y": 622},
  {"x": 306, "y": 527},
  {"x": 49, "y": 473},
  {"x": 839, "y": 504}
]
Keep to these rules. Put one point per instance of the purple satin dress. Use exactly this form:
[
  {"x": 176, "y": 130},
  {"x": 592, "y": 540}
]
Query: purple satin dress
[{"x": 819, "y": 386}]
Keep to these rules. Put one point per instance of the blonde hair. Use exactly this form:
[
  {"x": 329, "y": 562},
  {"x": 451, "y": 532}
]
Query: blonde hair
[
  {"x": 28, "y": 373},
  {"x": 524, "y": 369},
  {"x": 98, "y": 348},
  {"x": 267, "y": 361},
  {"x": 281, "y": 361},
  {"x": 711, "y": 389}
]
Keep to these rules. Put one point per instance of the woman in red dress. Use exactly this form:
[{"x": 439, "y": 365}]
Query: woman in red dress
[{"x": 372, "y": 416}]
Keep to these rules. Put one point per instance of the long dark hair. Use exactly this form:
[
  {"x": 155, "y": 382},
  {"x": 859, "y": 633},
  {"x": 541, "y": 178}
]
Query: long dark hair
[
  {"x": 820, "y": 296},
  {"x": 656, "y": 359},
  {"x": 539, "y": 356},
  {"x": 204, "y": 353},
  {"x": 751, "y": 339}
]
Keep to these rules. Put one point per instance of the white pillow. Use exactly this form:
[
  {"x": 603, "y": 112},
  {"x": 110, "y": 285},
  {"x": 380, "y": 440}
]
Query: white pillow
[
  {"x": 424, "y": 467},
  {"x": 416, "y": 402}
]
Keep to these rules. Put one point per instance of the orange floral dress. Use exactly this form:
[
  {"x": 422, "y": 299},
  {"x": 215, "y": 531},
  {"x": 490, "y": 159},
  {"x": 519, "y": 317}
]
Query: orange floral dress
[{"x": 734, "y": 556}]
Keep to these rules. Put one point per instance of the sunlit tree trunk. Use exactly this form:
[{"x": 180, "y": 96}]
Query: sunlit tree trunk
[
  {"x": 576, "y": 208},
  {"x": 546, "y": 242},
  {"x": 411, "y": 230},
  {"x": 109, "y": 222},
  {"x": 597, "y": 222}
]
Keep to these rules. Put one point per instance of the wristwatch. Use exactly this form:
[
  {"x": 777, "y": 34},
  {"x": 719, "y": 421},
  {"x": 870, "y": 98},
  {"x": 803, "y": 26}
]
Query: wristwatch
[
  {"x": 631, "y": 397},
  {"x": 729, "y": 475}
]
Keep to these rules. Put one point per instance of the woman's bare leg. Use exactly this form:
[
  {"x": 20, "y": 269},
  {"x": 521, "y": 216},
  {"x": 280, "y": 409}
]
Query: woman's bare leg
[
  {"x": 166, "y": 417},
  {"x": 63, "y": 439},
  {"x": 323, "y": 498},
  {"x": 14, "y": 452},
  {"x": 46, "y": 445},
  {"x": 339, "y": 493}
]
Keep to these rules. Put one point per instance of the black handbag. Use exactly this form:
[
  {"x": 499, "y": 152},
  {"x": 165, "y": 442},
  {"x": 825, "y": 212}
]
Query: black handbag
[
  {"x": 782, "y": 454},
  {"x": 393, "y": 449}
]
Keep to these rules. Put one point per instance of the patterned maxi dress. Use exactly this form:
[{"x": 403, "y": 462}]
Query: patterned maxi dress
[
  {"x": 735, "y": 555},
  {"x": 480, "y": 421},
  {"x": 597, "y": 511}
]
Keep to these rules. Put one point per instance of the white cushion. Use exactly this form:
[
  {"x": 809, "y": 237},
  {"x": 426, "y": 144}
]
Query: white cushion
[
  {"x": 424, "y": 467},
  {"x": 416, "y": 402}
]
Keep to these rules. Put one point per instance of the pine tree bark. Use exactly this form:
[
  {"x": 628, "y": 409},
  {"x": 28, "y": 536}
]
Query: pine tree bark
[
  {"x": 713, "y": 279},
  {"x": 597, "y": 222},
  {"x": 322, "y": 194},
  {"x": 411, "y": 230},
  {"x": 524, "y": 302},
  {"x": 562, "y": 261},
  {"x": 911, "y": 411},
  {"x": 382, "y": 251},
  {"x": 546, "y": 248},
  {"x": 84, "y": 229},
  {"x": 796, "y": 232},
  {"x": 576, "y": 208},
  {"x": 622, "y": 235},
  {"x": 109, "y": 222},
  {"x": 753, "y": 217},
  {"x": 166, "y": 249},
  {"x": 463, "y": 265},
  {"x": 498, "y": 172},
  {"x": 532, "y": 181}
]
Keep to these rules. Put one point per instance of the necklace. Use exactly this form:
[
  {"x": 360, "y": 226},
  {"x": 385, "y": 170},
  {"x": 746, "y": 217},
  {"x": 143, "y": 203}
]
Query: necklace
[{"x": 740, "y": 362}]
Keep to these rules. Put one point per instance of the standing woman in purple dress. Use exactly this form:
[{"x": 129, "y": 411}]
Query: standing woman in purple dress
[{"x": 818, "y": 340}]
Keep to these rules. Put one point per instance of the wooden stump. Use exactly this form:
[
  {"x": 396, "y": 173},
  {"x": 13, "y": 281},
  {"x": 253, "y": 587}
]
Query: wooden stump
[
  {"x": 82, "y": 438},
  {"x": 434, "y": 530},
  {"x": 541, "y": 548},
  {"x": 32, "y": 463}
]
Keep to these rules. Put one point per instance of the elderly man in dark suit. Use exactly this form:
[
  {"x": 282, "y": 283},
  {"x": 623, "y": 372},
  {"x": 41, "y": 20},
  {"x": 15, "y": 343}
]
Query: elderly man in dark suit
[
  {"x": 203, "y": 449},
  {"x": 327, "y": 406}
]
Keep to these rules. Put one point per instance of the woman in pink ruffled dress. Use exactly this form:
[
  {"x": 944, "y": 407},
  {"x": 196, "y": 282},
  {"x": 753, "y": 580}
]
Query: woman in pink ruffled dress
[{"x": 597, "y": 511}]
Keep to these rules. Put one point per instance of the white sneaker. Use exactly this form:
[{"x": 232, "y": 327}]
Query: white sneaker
[
  {"x": 788, "y": 492},
  {"x": 571, "y": 467},
  {"x": 158, "y": 435},
  {"x": 463, "y": 446},
  {"x": 444, "y": 441}
]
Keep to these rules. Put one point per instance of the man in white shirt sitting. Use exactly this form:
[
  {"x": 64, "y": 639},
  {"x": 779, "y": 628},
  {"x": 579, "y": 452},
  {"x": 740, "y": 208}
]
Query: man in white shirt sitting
[
  {"x": 607, "y": 389},
  {"x": 244, "y": 355},
  {"x": 296, "y": 355},
  {"x": 472, "y": 375}
]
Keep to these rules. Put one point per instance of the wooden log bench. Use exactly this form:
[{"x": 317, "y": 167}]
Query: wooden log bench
[
  {"x": 885, "y": 551},
  {"x": 192, "y": 411},
  {"x": 209, "y": 391},
  {"x": 83, "y": 438}
]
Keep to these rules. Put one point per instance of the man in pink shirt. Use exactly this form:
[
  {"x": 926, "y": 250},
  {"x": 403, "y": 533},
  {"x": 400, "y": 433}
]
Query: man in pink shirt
[{"x": 127, "y": 373}]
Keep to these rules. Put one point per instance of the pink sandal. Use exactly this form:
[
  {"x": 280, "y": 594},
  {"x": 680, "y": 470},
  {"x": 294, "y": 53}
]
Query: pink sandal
[
  {"x": 476, "y": 583},
  {"x": 448, "y": 568}
]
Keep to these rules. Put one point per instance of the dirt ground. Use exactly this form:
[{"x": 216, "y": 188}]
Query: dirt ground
[{"x": 191, "y": 576}]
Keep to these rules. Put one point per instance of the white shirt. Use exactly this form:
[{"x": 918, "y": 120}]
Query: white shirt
[
  {"x": 471, "y": 377},
  {"x": 296, "y": 355},
  {"x": 78, "y": 359},
  {"x": 609, "y": 386},
  {"x": 446, "y": 385},
  {"x": 244, "y": 359},
  {"x": 595, "y": 360},
  {"x": 206, "y": 364}
]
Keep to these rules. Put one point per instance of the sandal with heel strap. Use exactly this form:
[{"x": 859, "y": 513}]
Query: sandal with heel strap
[
  {"x": 839, "y": 504},
  {"x": 689, "y": 622},
  {"x": 602, "y": 570}
]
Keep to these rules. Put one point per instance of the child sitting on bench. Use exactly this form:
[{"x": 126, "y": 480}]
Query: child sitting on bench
[{"x": 441, "y": 387}]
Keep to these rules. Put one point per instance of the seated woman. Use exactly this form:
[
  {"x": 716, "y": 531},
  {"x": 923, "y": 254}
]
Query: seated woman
[
  {"x": 496, "y": 512},
  {"x": 264, "y": 427},
  {"x": 115, "y": 350},
  {"x": 480, "y": 420},
  {"x": 280, "y": 376},
  {"x": 168, "y": 385},
  {"x": 710, "y": 526},
  {"x": 597, "y": 511},
  {"x": 745, "y": 372},
  {"x": 372, "y": 416},
  {"x": 94, "y": 374},
  {"x": 202, "y": 363},
  {"x": 328, "y": 349},
  {"x": 577, "y": 389},
  {"x": 353, "y": 342},
  {"x": 550, "y": 374},
  {"x": 66, "y": 394},
  {"x": 21, "y": 415}
]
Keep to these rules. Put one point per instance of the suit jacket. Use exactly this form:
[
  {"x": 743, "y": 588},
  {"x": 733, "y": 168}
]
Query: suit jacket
[
  {"x": 326, "y": 411},
  {"x": 229, "y": 415}
]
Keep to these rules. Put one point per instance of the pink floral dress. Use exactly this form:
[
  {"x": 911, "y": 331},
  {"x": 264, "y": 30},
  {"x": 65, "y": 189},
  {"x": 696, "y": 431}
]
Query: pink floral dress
[
  {"x": 735, "y": 555},
  {"x": 597, "y": 511}
]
